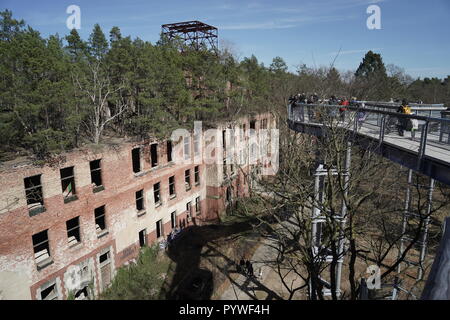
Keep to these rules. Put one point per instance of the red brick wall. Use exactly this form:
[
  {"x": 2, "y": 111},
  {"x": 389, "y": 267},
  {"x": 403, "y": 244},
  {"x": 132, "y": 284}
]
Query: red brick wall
[{"x": 17, "y": 227}]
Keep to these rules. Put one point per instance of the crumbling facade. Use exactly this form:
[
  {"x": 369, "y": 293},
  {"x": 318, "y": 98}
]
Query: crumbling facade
[{"x": 67, "y": 226}]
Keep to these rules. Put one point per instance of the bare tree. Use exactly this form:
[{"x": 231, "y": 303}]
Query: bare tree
[
  {"x": 103, "y": 102},
  {"x": 361, "y": 207}
]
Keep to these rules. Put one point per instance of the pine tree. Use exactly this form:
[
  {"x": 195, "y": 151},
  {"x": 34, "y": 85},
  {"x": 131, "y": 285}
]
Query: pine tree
[
  {"x": 75, "y": 46},
  {"x": 98, "y": 46},
  {"x": 114, "y": 35}
]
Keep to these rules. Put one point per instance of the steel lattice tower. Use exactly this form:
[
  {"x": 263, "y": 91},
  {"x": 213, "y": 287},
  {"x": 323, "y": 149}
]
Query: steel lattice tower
[{"x": 195, "y": 34}]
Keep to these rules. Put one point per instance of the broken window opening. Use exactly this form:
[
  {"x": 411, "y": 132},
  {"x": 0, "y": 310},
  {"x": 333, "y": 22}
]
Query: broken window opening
[
  {"x": 263, "y": 124},
  {"x": 188, "y": 208},
  {"x": 197, "y": 175},
  {"x": 73, "y": 231},
  {"x": 140, "y": 200},
  {"x": 100, "y": 219},
  {"x": 173, "y": 219},
  {"x": 197, "y": 205},
  {"x": 34, "y": 195},
  {"x": 187, "y": 179},
  {"x": 154, "y": 154},
  {"x": 156, "y": 193},
  {"x": 136, "y": 157},
  {"x": 172, "y": 186},
  {"x": 49, "y": 293},
  {"x": 96, "y": 173},
  {"x": 143, "y": 238},
  {"x": 41, "y": 246},
  {"x": 104, "y": 257},
  {"x": 82, "y": 294},
  {"x": 159, "y": 229},
  {"x": 169, "y": 151},
  {"x": 68, "y": 182}
]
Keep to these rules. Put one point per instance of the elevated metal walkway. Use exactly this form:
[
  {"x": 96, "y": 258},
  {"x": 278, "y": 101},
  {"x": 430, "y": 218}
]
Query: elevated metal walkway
[{"x": 374, "y": 127}]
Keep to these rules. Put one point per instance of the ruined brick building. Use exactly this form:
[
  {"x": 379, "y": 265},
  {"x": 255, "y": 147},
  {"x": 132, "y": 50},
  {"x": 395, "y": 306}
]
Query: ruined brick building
[{"x": 67, "y": 226}]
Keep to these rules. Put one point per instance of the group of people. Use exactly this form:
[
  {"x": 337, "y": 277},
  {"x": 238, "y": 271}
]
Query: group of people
[
  {"x": 403, "y": 124},
  {"x": 314, "y": 99},
  {"x": 304, "y": 98},
  {"x": 245, "y": 267},
  {"x": 170, "y": 238},
  {"x": 343, "y": 102}
]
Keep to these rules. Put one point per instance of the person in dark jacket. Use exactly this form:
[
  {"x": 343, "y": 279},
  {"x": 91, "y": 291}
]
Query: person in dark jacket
[
  {"x": 250, "y": 270},
  {"x": 247, "y": 265},
  {"x": 403, "y": 122},
  {"x": 242, "y": 265}
]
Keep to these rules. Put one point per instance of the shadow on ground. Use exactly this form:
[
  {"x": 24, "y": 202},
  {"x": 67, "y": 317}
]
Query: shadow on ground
[{"x": 189, "y": 282}]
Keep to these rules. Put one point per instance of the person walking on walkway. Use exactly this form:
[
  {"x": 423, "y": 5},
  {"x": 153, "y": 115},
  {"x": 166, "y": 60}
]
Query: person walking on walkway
[
  {"x": 247, "y": 266},
  {"x": 250, "y": 270},
  {"x": 242, "y": 265},
  {"x": 403, "y": 122}
]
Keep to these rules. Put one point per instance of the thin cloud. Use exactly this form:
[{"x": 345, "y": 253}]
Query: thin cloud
[
  {"x": 257, "y": 26},
  {"x": 284, "y": 23},
  {"x": 352, "y": 51}
]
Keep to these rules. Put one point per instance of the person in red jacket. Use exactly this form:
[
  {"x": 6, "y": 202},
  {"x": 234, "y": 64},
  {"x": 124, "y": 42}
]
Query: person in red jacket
[{"x": 344, "y": 103}]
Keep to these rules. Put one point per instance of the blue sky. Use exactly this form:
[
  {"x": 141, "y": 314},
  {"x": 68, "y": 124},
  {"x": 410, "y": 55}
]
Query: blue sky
[{"x": 414, "y": 34}]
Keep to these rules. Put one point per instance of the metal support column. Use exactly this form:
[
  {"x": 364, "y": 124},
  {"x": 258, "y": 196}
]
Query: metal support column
[
  {"x": 405, "y": 216},
  {"x": 424, "y": 240},
  {"x": 348, "y": 160},
  {"x": 318, "y": 217}
]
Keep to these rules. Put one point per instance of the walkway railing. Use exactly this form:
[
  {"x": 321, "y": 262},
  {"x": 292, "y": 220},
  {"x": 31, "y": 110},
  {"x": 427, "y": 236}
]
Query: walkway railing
[{"x": 431, "y": 137}]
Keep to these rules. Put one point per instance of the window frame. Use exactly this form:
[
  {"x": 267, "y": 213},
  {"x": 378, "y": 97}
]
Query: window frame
[
  {"x": 154, "y": 163},
  {"x": 54, "y": 296},
  {"x": 72, "y": 178},
  {"x": 189, "y": 208},
  {"x": 140, "y": 199},
  {"x": 144, "y": 242},
  {"x": 198, "y": 208},
  {"x": 97, "y": 187},
  {"x": 187, "y": 179},
  {"x": 157, "y": 191},
  {"x": 40, "y": 243},
  {"x": 37, "y": 209},
  {"x": 173, "y": 219},
  {"x": 136, "y": 161},
  {"x": 77, "y": 227},
  {"x": 102, "y": 215},
  {"x": 197, "y": 175},
  {"x": 172, "y": 187},
  {"x": 159, "y": 229},
  {"x": 169, "y": 151},
  {"x": 45, "y": 261}
]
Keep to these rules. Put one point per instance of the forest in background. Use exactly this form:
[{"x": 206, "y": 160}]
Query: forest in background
[{"x": 59, "y": 93}]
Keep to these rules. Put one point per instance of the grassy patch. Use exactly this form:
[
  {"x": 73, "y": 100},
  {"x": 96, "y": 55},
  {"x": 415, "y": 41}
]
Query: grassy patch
[{"x": 143, "y": 280}]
